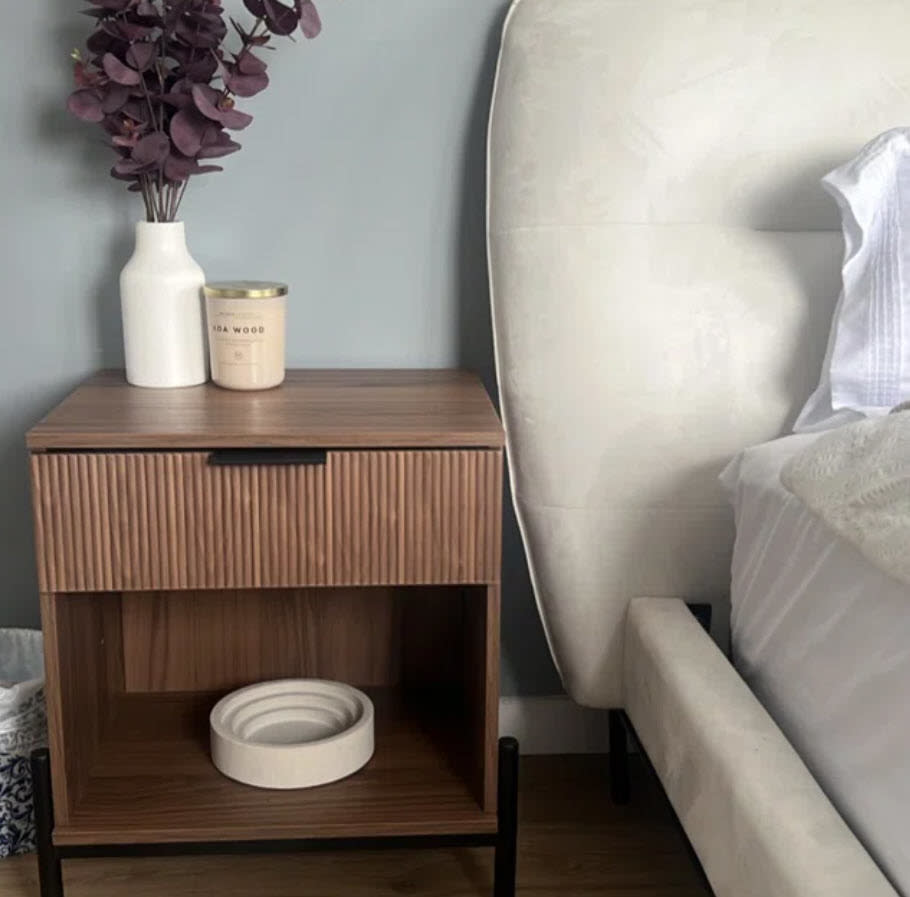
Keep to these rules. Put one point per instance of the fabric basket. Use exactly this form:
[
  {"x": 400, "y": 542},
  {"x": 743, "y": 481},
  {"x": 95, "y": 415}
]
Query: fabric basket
[{"x": 23, "y": 727}]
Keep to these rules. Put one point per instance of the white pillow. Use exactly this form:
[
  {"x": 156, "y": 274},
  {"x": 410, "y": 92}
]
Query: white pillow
[{"x": 866, "y": 371}]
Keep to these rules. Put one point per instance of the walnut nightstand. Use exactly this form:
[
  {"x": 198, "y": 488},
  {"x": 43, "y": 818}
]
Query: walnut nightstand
[{"x": 344, "y": 526}]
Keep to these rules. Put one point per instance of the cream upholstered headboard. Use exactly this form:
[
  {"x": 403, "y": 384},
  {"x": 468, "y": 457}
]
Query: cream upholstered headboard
[{"x": 664, "y": 266}]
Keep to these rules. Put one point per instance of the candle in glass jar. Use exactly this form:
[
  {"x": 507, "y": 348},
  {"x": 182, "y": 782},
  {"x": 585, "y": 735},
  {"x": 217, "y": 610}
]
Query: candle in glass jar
[{"x": 246, "y": 324}]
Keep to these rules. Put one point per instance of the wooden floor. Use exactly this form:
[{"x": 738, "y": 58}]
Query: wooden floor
[{"x": 574, "y": 843}]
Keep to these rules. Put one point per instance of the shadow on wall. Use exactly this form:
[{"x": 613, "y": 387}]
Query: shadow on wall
[
  {"x": 89, "y": 162},
  {"x": 527, "y": 665}
]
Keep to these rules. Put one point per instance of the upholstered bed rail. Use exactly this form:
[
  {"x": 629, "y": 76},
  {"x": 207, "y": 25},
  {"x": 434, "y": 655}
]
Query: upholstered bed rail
[{"x": 756, "y": 817}]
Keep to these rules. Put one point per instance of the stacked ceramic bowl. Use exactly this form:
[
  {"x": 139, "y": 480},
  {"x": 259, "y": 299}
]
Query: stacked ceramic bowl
[{"x": 292, "y": 733}]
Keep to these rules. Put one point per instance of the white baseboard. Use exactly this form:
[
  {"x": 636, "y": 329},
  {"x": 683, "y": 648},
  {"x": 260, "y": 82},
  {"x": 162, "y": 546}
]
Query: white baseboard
[{"x": 554, "y": 724}]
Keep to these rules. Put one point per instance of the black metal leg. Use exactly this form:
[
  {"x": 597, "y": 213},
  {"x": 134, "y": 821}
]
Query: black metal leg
[
  {"x": 507, "y": 808},
  {"x": 703, "y": 613},
  {"x": 620, "y": 789},
  {"x": 50, "y": 873}
]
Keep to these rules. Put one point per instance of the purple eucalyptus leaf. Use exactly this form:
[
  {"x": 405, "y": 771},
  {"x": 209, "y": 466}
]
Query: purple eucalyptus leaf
[
  {"x": 118, "y": 72},
  {"x": 115, "y": 97},
  {"x": 248, "y": 64},
  {"x": 172, "y": 12},
  {"x": 124, "y": 143},
  {"x": 217, "y": 150},
  {"x": 112, "y": 124},
  {"x": 201, "y": 27},
  {"x": 178, "y": 167},
  {"x": 187, "y": 129},
  {"x": 230, "y": 118},
  {"x": 183, "y": 85},
  {"x": 127, "y": 31},
  {"x": 201, "y": 8},
  {"x": 84, "y": 76},
  {"x": 255, "y": 7},
  {"x": 85, "y": 104},
  {"x": 235, "y": 120},
  {"x": 179, "y": 52},
  {"x": 128, "y": 166},
  {"x": 200, "y": 70},
  {"x": 177, "y": 100},
  {"x": 214, "y": 133},
  {"x": 197, "y": 36},
  {"x": 100, "y": 42},
  {"x": 210, "y": 15},
  {"x": 216, "y": 136},
  {"x": 204, "y": 93},
  {"x": 209, "y": 26},
  {"x": 245, "y": 85},
  {"x": 151, "y": 21},
  {"x": 146, "y": 8},
  {"x": 141, "y": 56},
  {"x": 153, "y": 149},
  {"x": 204, "y": 103},
  {"x": 280, "y": 19},
  {"x": 137, "y": 111},
  {"x": 310, "y": 23}
]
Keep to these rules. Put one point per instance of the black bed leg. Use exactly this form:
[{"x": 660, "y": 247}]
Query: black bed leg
[
  {"x": 620, "y": 789},
  {"x": 507, "y": 811},
  {"x": 50, "y": 874}
]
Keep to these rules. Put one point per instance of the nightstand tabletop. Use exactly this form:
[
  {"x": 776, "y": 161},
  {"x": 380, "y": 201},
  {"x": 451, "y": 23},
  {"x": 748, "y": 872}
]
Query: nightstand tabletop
[{"x": 313, "y": 408}]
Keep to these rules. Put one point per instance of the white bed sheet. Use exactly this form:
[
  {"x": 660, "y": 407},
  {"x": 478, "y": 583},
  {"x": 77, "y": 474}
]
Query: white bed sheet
[{"x": 823, "y": 639}]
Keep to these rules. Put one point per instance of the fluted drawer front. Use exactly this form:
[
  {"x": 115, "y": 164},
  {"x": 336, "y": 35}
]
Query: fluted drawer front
[
  {"x": 415, "y": 517},
  {"x": 169, "y": 520}
]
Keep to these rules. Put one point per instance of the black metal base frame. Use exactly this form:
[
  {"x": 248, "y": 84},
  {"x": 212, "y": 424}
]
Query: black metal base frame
[{"x": 504, "y": 840}]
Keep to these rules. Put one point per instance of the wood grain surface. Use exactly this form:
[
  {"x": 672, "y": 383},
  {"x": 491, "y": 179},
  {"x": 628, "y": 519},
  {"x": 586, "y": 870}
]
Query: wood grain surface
[
  {"x": 481, "y": 687},
  {"x": 368, "y": 637},
  {"x": 328, "y": 409},
  {"x": 572, "y": 842},
  {"x": 153, "y": 781},
  {"x": 83, "y": 669},
  {"x": 221, "y": 640},
  {"x": 170, "y": 520}
]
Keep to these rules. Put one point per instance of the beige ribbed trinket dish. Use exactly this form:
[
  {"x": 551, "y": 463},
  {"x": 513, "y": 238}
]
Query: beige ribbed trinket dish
[{"x": 292, "y": 733}]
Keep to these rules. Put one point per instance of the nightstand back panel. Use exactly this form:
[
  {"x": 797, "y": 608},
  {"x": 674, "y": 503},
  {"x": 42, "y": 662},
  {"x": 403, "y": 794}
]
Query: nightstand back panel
[{"x": 221, "y": 640}]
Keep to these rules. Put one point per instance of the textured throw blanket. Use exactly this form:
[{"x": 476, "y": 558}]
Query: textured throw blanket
[{"x": 857, "y": 479}]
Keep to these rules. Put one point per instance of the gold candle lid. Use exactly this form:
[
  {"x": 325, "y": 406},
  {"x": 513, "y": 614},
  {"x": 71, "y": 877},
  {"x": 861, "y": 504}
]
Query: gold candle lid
[{"x": 245, "y": 289}]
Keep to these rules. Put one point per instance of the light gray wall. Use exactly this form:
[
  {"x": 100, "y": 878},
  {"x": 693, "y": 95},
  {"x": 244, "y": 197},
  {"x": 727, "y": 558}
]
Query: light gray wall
[{"x": 361, "y": 183}]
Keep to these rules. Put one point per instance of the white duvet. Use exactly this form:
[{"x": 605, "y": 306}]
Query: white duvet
[
  {"x": 857, "y": 480},
  {"x": 822, "y": 637}
]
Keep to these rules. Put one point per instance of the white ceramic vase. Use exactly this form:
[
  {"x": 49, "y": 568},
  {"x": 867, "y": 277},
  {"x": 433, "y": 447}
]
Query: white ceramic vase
[{"x": 162, "y": 307}]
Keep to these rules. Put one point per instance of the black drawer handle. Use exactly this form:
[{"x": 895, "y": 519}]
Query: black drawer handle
[{"x": 275, "y": 457}]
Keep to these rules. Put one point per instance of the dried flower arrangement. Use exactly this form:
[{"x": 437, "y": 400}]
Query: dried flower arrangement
[{"x": 161, "y": 84}]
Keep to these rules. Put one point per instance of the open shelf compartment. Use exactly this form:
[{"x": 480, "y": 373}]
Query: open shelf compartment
[{"x": 138, "y": 674}]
